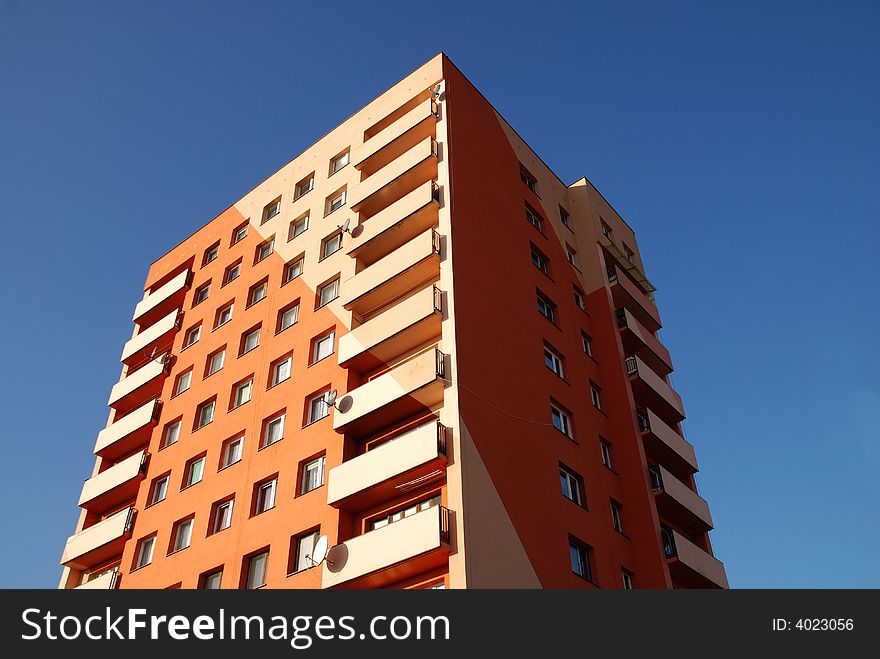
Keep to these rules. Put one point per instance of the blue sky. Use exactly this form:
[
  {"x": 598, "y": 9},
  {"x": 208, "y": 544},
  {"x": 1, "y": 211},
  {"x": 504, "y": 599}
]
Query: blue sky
[{"x": 739, "y": 139}]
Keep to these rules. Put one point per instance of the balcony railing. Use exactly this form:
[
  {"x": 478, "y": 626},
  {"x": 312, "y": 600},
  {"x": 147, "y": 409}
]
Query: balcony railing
[
  {"x": 99, "y": 542},
  {"x": 690, "y": 565},
  {"x": 138, "y": 345},
  {"x": 652, "y": 390},
  {"x": 106, "y": 581},
  {"x": 678, "y": 503},
  {"x": 666, "y": 444},
  {"x": 115, "y": 485},
  {"x": 165, "y": 292},
  {"x": 636, "y": 337},
  {"x": 129, "y": 431},
  {"x": 132, "y": 382},
  {"x": 627, "y": 293},
  {"x": 394, "y": 139}
]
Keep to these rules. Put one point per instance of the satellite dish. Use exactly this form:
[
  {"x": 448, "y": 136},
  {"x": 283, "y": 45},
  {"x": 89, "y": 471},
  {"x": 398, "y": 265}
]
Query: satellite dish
[
  {"x": 319, "y": 553},
  {"x": 344, "y": 227},
  {"x": 436, "y": 91},
  {"x": 330, "y": 397}
]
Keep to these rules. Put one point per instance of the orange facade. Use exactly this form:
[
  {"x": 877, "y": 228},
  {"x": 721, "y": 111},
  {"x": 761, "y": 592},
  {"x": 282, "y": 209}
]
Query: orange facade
[{"x": 502, "y": 413}]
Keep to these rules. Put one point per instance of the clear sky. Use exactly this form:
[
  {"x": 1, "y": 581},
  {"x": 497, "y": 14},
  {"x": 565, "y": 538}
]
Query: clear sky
[{"x": 739, "y": 139}]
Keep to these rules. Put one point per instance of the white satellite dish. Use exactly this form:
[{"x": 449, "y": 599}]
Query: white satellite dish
[
  {"x": 436, "y": 91},
  {"x": 330, "y": 397},
  {"x": 344, "y": 227},
  {"x": 319, "y": 553}
]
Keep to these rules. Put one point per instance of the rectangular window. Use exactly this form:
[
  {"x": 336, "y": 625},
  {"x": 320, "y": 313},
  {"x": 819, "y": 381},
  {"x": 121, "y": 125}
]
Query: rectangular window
[
  {"x": 328, "y": 292},
  {"x": 318, "y": 408},
  {"x": 312, "y": 475},
  {"x": 222, "y": 518},
  {"x": 145, "y": 552},
  {"x": 335, "y": 202},
  {"x": 273, "y": 431},
  {"x": 553, "y": 361},
  {"x": 572, "y": 485},
  {"x": 258, "y": 292},
  {"x": 579, "y": 300},
  {"x": 250, "y": 340},
  {"x": 580, "y": 559},
  {"x": 615, "y": 517},
  {"x": 182, "y": 383},
  {"x": 240, "y": 233},
  {"x": 265, "y": 496},
  {"x": 258, "y": 567},
  {"x": 605, "y": 449},
  {"x": 303, "y": 557},
  {"x": 304, "y": 186},
  {"x": 211, "y": 254},
  {"x": 298, "y": 227},
  {"x": 281, "y": 370},
  {"x": 587, "y": 343},
  {"x": 159, "y": 490},
  {"x": 223, "y": 316},
  {"x": 202, "y": 293},
  {"x": 534, "y": 219},
  {"x": 242, "y": 393},
  {"x": 595, "y": 395},
  {"x": 212, "y": 581},
  {"x": 563, "y": 215},
  {"x": 628, "y": 254},
  {"x": 205, "y": 414},
  {"x": 182, "y": 535},
  {"x": 546, "y": 308},
  {"x": 655, "y": 478},
  {"x": 288, "y": 317},
  {"x": 540, "y": 261},
  {"x": 215, "y": 362},
  {"x": 571, "y": 255},
  {"x": 408, "y": 511},
  {"x": 293, "y": 270},
  {"x": 322, "y": 347},
  {"x": 339, "y": 162},
  {"x": 331, "y": 245},
  {"x": 606, "y": 231},
  {"x": 231, "y": 451},
  {"x": 272, "y": 209},
  {"x": 264, "y": 250},
  {"x": 627, "y": 580},
  {"x": 195, "y": 469},
  {"x": 192, "y": 335},
  {"x": 528, "y": 179},
  {"x": 561, "y": 420},
  {"x": 232, "y": 273},
  {"x": 171, "y": 434}
]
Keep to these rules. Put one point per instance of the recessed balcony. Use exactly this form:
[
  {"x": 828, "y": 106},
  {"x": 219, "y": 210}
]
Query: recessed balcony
[
  {"x": 627, "y": 293},
  {"x": 99, "y": 542},
  {"x": 168, "y": 292},
  {"x": 409, "y": 460},
  {"x": 691, "y": 566},
  {"x": 637, "y": 339},
  {"x": 138, "y": 385},
  {"x": 140, "y": 344},
  {"x": 398, "y": 137},
  {"x": 106, "y": 581},
  {"x": 395, "y": 331},
  {"x": 395, "y": 225},
  {"x": 403, "y": 270},
  {"x": 680, "y": 504},
  {"x": 129, "y": 432},
  {"x": 652, "y": 391},
  {"x": 114, "y": 485},
  {"x": 399, "y": 177},
  {"x": 414, "y": 386},
  {"x": 394, "y": 552},
  {"x": 665, "y": 444}
]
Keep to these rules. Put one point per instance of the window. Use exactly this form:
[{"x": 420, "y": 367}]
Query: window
[
  {"x": 628, "y": 254},
  {"x": 298, "y": 227},
  {"x": 145, "y": 552},
  {"x": 158, "y": 490},
  {"x": 182, "y": 383},
  {"x": 571, "y": 255},
  {"x": 240, "y": 233},
  {"x": 258, "y": 567},
  {"x": 232, "y": 273},
  {"x": 563, "y": 215},
  {"x": 572, "y": 486},
  {"x": 304, "y": 186},
  {"x": 606, "y": 230},
  {"x": 215, "y": 362},
  {"x": 211, "y": 254},
  {"x": 615, "y": 517},
  {"x": 335, "y": 202},
  {"x": 288, "y": 317},
  {"x": 580, "y": 559},
  {"x": 231, "y": 451},
  {"x": 339, "y": 162},
  {"x": 281, "y": 370},
  {"x": 553, "y": 361},
  {"x": 205, "y": 414},
  {"x": 250, "y": 340},
  {"x": 312, "y": 475},
  {"x": 667, "y": 537},
  {"x": 595, "y": 395},
  {"x": 192, "y": 335},
  {"x": 224, "y": 315},
  {"x": 655, "y": 478},
  {"x": 264, "y": 249},
  {"x": 195, "y": 469},
  {"x": 222, "y": 516},
  {"x": 540, "y": 261},
  {"x": 318, "y": 408},
  {"x": 405, "y": 512},
  {"x": 242, "y": 393},
  {"x": 546, "y": 308},
  {"x": 331, "y": 245},
  {"x": 579, "y": 300},
  {"x": 265, "y": 496},
  {"x": 212, "y": 581},
  {"x": 304, "y": 550},
  {"x": 273, "y": 431},
  {"x": 627, "y": 580},
  {"x": 258, "y": 292},
  {"x": 202, "y": 293},
  {"x": 182, "y": 535},
  {"x": 328, "y": 292},
  {"x": 561, "y": 420},
  {"x": 322, "y": 347},
  {"x": 272, "y": 209},
  {"x": 587, "y": 342},
  {"x": 528, "y": 179},
  {"x": 171, "y": 434},
  {"x": 293, "y": 269},
  {"x": 534, "y": 219},
  {"x": 605, "y": 450}
]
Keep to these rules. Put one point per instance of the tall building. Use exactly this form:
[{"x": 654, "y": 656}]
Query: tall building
[{"x": 415, "y": 340}]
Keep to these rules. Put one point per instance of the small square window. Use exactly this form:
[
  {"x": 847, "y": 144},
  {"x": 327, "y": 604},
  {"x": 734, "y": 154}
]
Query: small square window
[
  {"x": 202, "y": 293},
  {"x": 224, "y": 315},
  {"x": 564, "y": 217},
  {"x": 250, "y": 340},
  {"x": 258, "y": 292},
  {"x": 239, "y": 233},
  {"x": 211, "y": 581},
  {"x": 540, "y": 261},
  {"x": 194, "y": 471},
  {"x": 318, "y": 407},
  {"x": 553, "y": 361},
  {"x": 546, "y": 308},
  {"x": 628, "y": 254},
  {"x": 303, "y": 549},
  {"x": 215, "y": 362},
  {"x": 232, "y": 272},
  {"x": 323, "y": 346},
  {"x": 534, "y": 219},
  {"x": 606, "y": 230},
  {"x": 328, "y": 292},
  {"x": 572, "y": 485},
  {"x": 587, "y": 344},
  {"x": 331, "y": 245},
  {"x": 242, "y": 392},
  {"x": 221, "y": 516},
  {"x": 293, "y": 269},
  {"x": 579, "y": 299},
  {"x": 339, "y": 162},
  {"x": 580, "y": 559},
  {"x": 596, "y": 395},
  {"x": 192, "y": 335},
  {"x": 561, "y": 420},
  {"x": 231, "y": 451},
  {"x": 211, "y": 254},
  {"x": 605, "y": 450},
  {"x": 205, "y": 414},
  {"x": 298, "y": 227},
  {"x": 288, "y": 317},
  {"x": 304, "y": 186},
  {"x": 144, "y": 555},
  {"x": 181, "y": 535},
  {"x": 528, "y": 179},
  {"x": 627, "y": 578},
  {"x": 158, "y": 490},
  {"x": 271, "y": 209},
  {"x": 171, "y": 433},
  {"x": 182, "y": 382},
  {"x": 257, "y": 571},
  {"x": 312, "y": 475},
  {"x": 335, "y": 201},
  {"x": 264, "y": 249},
  {"x": 273, "y": 431},
  {"x": 572, "y": 257},
  {"x": 264, "y": 495},
  {"x": 616, "y": 520},
  {"x": 281, "y": 370}
]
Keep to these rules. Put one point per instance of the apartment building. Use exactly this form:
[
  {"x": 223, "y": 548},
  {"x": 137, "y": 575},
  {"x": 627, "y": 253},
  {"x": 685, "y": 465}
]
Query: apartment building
[{"x": 412, "y": 339}]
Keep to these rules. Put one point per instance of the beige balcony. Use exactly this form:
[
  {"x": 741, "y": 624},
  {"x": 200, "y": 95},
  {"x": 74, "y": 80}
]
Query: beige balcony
[
  {"x": 399, "y": 177},
  {"x": 403, "y": 270},
  {"x": 395, "y": 225},
  {"x": 415, "y": 456},
  {"x": 627, "y": 293},
  {"x": 665, "y": 444},
  {"x": 139, "y": 344},
  {"x": 412, "y": 322},
  {"x": 400, "y": 550},
  {"x": 167, "y": 291},
  {"x": 680, "y": 504},
  {"x": 114, "y": 485},
  {"x": 394, "y": 139},
  {"x": 106, "y": 581},
  {"x": 124, "y": 390},
  {"x": 99, "y": 542},
  {"x": 637, "y": 338},
  {"x": 128, "y": 432},
  {"x": 413, "y": 386},
  {"x": 692, "y": 567},
  {"x": 653, "y": 391}
]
